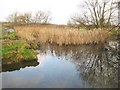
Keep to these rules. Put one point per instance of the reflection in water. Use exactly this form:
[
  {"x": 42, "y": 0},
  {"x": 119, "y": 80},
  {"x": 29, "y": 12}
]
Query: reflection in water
[
  {"x": 68, "y": 67},
  {"x": 97, "y": 66},
  {"x": 18, "y": 66}
]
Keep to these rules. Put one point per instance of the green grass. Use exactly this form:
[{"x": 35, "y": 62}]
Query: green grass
[
  {"x": 4, "y": 35},
  {"x": 14, "y": 50},
  {"x": 11, "y": 35},
  {"x": 17, "y": 50}
]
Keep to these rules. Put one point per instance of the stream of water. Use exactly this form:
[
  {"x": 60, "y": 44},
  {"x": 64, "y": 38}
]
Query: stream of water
[{"x": 81, "y": 66}]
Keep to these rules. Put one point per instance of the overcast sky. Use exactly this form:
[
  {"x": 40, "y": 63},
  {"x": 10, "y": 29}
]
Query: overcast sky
[{"x": 60, "y": 10}]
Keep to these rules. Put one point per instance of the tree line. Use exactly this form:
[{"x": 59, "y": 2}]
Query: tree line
[
  {"x": 27, "y": 18},
  {"x": 95, "y": 13}
]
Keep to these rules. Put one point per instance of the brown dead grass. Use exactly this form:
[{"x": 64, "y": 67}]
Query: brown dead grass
[{"x": 61, "y": 35}]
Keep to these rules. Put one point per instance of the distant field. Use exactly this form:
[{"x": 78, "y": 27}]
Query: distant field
[{"x": 61, "y": 35}]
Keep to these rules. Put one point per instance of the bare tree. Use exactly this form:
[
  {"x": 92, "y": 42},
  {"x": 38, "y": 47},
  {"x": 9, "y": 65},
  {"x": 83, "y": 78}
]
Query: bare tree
[
  {"x": 28, "y": 17},
  {"x": 13, "y": 17},
  {"x": 20, "y": 18},
  {"x": 98, "y": 13},
  {"x": 42, "y": 17}
]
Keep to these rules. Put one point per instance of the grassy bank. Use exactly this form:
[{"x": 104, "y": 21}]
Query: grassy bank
[
  {"x": 61, "y": 35},
  {"x": 15, "y": 50}
]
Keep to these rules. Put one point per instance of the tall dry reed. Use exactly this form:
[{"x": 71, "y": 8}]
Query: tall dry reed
[{"x": 61, "y": 35}]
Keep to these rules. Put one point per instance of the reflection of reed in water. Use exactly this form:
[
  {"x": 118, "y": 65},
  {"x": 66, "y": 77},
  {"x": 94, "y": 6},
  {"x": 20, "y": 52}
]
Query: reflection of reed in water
[{"x": 96, "y": 65}]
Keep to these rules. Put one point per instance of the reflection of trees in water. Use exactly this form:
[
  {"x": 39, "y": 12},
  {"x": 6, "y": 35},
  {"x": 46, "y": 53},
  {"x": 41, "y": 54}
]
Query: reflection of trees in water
[
  {"x": 97, "y": 66},
  {"x": 19, "y": 65},
  {"x": 100, "y": 68}
]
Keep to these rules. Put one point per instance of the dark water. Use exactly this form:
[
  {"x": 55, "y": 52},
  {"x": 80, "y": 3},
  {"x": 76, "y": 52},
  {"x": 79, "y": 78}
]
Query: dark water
[{"x": 82, "y": 66}]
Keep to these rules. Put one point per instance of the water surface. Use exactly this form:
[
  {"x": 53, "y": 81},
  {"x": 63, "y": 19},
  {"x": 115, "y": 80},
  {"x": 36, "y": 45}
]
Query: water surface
[{"x": 82, "y": 66}]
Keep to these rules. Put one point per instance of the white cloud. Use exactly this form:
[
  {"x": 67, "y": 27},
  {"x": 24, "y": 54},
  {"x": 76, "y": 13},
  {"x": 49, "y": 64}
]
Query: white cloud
[{"x": 60, "y": 9}]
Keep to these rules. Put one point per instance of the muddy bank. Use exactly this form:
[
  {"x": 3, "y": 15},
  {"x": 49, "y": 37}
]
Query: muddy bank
[{"x": 19, "y": 65}]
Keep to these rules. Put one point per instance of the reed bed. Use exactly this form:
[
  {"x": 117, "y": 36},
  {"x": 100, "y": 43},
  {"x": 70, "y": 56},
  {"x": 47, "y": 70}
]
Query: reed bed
[{"x": 62, "y": 35}]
